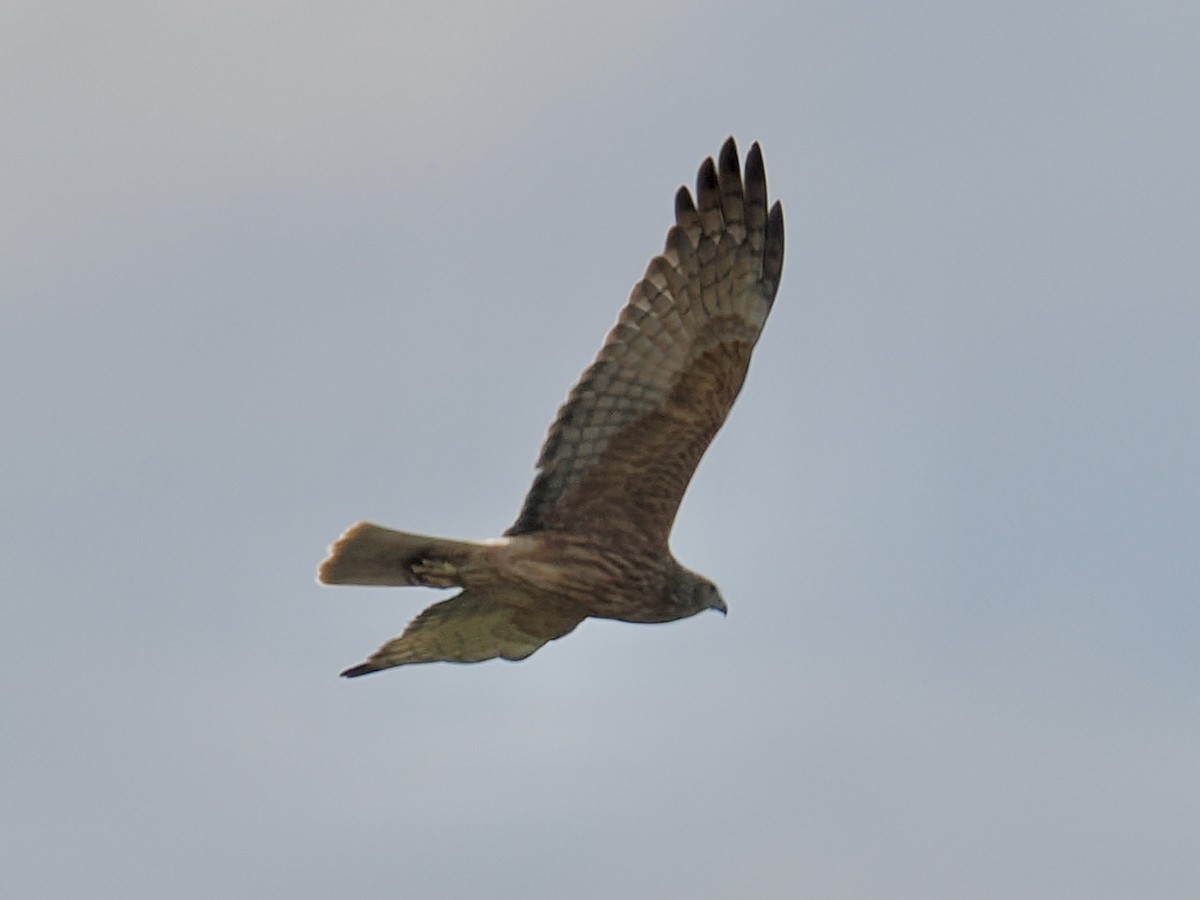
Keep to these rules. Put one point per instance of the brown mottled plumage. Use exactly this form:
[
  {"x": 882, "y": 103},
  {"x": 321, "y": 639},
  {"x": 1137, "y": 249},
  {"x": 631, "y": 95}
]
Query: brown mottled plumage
[{"x": 591, "y": 538}]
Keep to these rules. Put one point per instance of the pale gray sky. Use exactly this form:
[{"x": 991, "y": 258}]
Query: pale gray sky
[{"x": 269, "y": 268}]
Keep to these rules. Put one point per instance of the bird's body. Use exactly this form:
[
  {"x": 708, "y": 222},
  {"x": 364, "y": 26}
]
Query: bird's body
[
  {"x": 528, "y": 569},
  {"x": 592, "y": 536}
]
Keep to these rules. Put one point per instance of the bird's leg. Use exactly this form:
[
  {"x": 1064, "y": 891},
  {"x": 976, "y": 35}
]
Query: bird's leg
[{"x": 436, "y": 573}]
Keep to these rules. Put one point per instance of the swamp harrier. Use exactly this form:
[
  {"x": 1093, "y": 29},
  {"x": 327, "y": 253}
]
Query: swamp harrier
[{"x": 591, "y": 538}]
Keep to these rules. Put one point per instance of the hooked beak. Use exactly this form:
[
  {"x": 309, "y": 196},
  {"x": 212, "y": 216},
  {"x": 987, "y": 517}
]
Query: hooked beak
[{"x": 718, "y": 604}]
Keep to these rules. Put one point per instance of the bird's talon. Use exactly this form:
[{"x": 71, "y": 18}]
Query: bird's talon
[{"x": 436, "y": 573}]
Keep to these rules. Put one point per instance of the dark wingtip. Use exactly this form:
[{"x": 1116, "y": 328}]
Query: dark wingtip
[
  {"x": 729, "y": 157},
  {"x": 754, "y": 164},
  {"x": 773, "y": 250},
  {"x": 684, "y": 203},
  {"x": 361, "y": 669},
  {"x": 706, "y": 178}
]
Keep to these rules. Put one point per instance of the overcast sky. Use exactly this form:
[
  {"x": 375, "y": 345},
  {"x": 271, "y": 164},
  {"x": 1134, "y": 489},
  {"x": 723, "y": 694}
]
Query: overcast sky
[{"x": 270, "y": 268}]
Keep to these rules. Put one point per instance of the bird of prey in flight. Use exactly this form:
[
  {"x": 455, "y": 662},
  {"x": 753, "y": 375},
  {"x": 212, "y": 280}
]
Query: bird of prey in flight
[{"x": 592, "y": 536}]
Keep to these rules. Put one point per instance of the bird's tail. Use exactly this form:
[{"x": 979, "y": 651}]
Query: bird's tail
[{"x": 369, "y": 554}]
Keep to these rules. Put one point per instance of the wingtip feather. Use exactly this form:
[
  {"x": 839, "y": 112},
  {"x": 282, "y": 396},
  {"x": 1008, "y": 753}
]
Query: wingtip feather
[
  {"x": 755, "y": 171},
  {"x": 729, "y": 158},
  {"x": 773, "y": 248},
  {"x": 684, "y": 205},
  {"x": 708, "y": 192}
]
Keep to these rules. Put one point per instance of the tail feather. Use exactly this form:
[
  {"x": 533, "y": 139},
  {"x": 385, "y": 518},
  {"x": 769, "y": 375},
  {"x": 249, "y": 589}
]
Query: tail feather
[{"x": 369, "y": 554}]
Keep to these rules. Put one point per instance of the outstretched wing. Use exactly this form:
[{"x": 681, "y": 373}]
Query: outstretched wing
[
  {"x": 470, "y": 628},
  {"x": 623, "y": 448}
]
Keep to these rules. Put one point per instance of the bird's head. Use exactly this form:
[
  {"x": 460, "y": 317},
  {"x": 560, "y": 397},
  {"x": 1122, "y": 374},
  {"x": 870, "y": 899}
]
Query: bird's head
[
  {"x": 696, "y": 593},
  {"x": 713, "y": 599}
]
